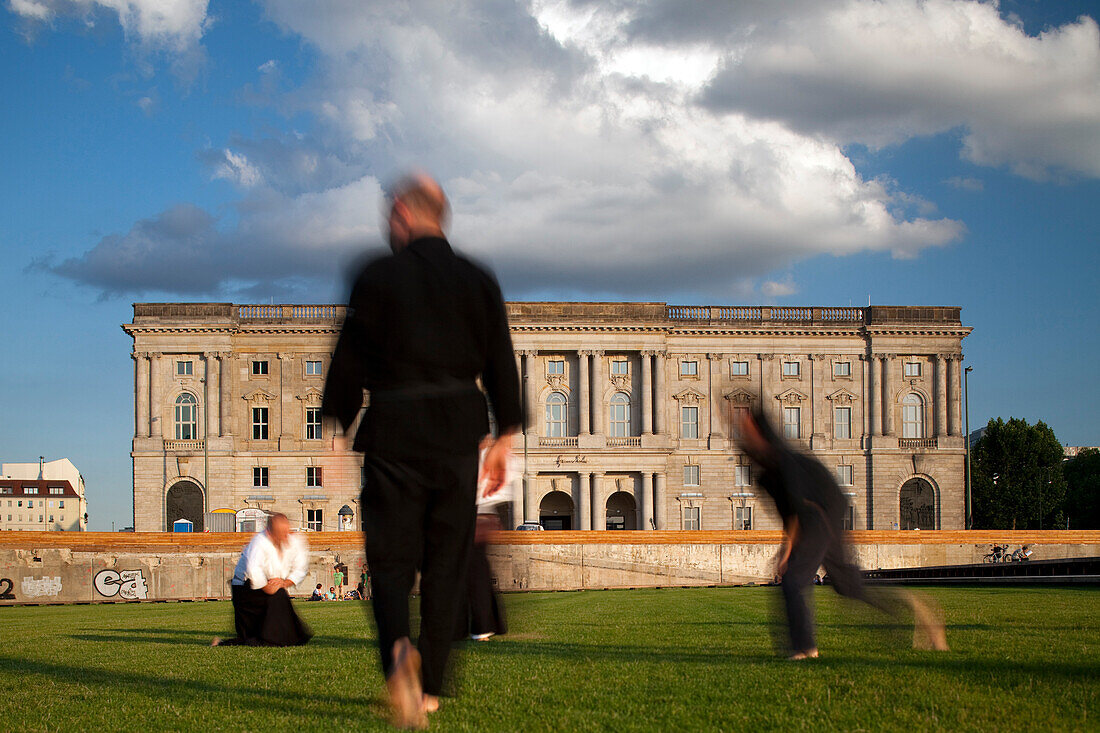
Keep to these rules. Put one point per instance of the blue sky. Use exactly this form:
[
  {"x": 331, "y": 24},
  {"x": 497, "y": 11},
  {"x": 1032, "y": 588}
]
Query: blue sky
[{"x": 800, "y": 153}]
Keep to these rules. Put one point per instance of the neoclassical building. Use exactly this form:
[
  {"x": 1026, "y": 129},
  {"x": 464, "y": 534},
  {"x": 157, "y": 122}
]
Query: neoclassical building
[{"x": 632, "y": 412}]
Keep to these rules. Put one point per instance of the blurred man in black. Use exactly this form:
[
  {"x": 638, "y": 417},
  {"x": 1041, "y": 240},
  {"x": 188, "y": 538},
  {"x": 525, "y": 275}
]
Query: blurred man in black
[
  {"x": 423, "y": 324},
  {"x": 811, "y": 505}
]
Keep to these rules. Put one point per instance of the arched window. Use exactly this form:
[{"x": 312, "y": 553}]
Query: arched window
[
  {"x": 556, "y": 414},
  {"x": 912, "y": 416},
  {"x": 620, "y": 415},
  {"x": 187, "y": 417}
]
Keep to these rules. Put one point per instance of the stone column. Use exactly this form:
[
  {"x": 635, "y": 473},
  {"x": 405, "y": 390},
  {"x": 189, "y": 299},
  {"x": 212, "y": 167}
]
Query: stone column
[
  {"x": 584, "y": 481},
  {"x": 225, "y": 401},
  {"x": 954, "y": 395},
  {"x": 529, "y": 391},
  {"x": 645, "y": 507},
  {"x": 715, "y": 436},
  {"x": 599, "y": 511},
  {"x": 212, "y": 420},
  {"x": 939, "y": 362},
  {"x": 530, "y": 511},
  {"x": 141, "y": 395},
  {"x": 874, "y": 396},
  {"x": 817, "y": 399},
  {"x": 647, "y": 392},
  {"x": 660, "y": 398},
  {"x": 156, "y": 397},
  {"x": 887, "y": 400},
  {"x": 284, "y": 397},
  {"x": 767, "y": 404},
  {"x": 584, "y": 390},
  {"x": 599, "y": 382},
  {"x": 517, "y": 506},
  {"x": 660, "y": 510}
]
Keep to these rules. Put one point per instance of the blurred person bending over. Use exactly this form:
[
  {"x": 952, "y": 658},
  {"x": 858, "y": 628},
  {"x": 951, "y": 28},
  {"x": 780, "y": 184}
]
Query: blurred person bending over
[
  {"x": 273, "y": 561},
  {"x": 422, "y": 325},
  {"x": 812, "y": 507}
]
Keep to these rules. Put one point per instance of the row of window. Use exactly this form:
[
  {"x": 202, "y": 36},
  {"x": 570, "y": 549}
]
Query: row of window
[
  {"x": 42, "y": 502},
  {"x": 257, "y": 368},
  {"x": 187, "y": 420},
  {"x": 742, "y": 475},
  {"x": 557, "y": 418},
  {"x": 690, "y": 368},
  {"x": 261, "y": 476},
  {"x": 54, "y": 490},
  {"x": 30, "y": 518}
]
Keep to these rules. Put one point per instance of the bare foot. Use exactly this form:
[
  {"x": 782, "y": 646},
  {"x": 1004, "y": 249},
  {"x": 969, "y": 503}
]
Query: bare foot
[
  {"x": 808, "y": 654},
  {"x": 217, "y": 640},
  {"x": 928, "y": 629},
  {"x": 403, "y": 684},
  {"x": 431, "y": 703}
]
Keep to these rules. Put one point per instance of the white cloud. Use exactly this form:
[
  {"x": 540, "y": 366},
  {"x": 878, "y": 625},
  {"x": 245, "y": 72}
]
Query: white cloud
[
  {"x": 235, "y": 167},
  {"x": 171, "y": 25},
  {"x": 964, "y": 183},
  {"x": 778, "y": 288}
]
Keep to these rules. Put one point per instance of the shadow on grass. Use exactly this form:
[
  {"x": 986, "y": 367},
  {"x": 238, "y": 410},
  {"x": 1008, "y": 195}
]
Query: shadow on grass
[
  {"x": 349, "y": 710},
  {"x": 193, "y": 637}
]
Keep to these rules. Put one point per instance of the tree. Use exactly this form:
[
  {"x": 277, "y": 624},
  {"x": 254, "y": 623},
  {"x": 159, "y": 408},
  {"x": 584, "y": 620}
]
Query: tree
[
  {"x": 1083, "y": 489},
  {"x": 1017, "y": 480}
]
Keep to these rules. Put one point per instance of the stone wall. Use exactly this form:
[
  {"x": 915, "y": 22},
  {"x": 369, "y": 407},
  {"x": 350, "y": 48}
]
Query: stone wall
[{"x": 47, "y": 567}]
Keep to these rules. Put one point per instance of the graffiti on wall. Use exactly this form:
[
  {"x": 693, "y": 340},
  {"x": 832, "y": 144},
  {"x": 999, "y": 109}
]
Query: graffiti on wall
[
  {"x": 45, "y": 586},
  {"x": 127, "y": 584}
]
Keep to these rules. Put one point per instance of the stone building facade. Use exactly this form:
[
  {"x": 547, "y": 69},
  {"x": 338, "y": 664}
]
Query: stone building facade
[{"x": 631, "y": 412}]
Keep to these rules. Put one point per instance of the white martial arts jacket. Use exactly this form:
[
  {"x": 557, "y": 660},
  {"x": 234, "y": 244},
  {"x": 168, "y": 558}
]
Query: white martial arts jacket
[{"x": 260, "y": 561}]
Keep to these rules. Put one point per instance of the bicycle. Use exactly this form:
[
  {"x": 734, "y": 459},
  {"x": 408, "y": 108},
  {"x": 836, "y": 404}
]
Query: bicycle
[
  {"x": 998, "y": 553},
  {"x": 1022, "y": 554}
]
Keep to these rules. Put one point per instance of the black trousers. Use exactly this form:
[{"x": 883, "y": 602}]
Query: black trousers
[
  {"x": 820, "y": 542},
  {"x": 265, "y": 620},
  {"x": 419, "y": 514},
  {"x": 483, "y": 613}
]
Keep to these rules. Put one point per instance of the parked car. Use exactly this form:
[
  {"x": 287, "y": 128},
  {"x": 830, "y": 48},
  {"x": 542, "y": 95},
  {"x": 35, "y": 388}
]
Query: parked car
[{"x": 528, "y": 526}]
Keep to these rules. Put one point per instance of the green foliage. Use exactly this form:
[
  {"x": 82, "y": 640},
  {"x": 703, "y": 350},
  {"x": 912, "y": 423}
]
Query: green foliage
[
  {"x": 1017, "y": 480},
  {"x": 1083, "y": 489},
  {"x": 699, "y": 659}
]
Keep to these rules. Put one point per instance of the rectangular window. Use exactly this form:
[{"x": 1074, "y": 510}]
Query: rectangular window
[
  {"x": 313, "y": 476},
  {"x": 313, "y": 368},
  {"x": 842, "y": 369},
  {"x": 912, "y": 368},
  {"x": 555, "y": 366},
  {"x": 692, "y": 517},
  {"x": 742, "y": 517},
  {"x": 57, "y": 490},
  {"x": 691, "y": 475},
  {"x": 259, "y": 476},
  {"x": 30, "y": 489},
  {"x": 61, "y": 504},
  {"x": 792, "y": 423},
  {"x": 259, "y": 423},
  {"x": 791, "y": 368},
  {"x": 184, "y": 368},
  {"x": 849, "y": 520},
  {"x": 51, "y": 517},
  {"x": 844, "y": 475},
  {"x": 742, "y": 476},
  {"x": 259, "y": 368},
  {"x": 738, "y": 416},
  {"x": 51, "y": 505},
  {"x": 314, "y": 519},
  {"x": 620, "y": 367},
  {"x": 739, "y": 368},
  {"x": 689, "y": 368},
  {"x": 19, "y": 503},
  {"x": 842, "y": 422},
  {"x": 313, "y": 423},
  {"x": 5, "y": 490},
  {"x": 689, "y": 422},
  {"x": 30, "y": 505}
]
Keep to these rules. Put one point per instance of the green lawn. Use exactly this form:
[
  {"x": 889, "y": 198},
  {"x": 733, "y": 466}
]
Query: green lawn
[{"x": 677, "y": 659}]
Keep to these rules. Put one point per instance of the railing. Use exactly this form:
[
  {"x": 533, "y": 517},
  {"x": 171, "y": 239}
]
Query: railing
[
  {"x": 558, "y": 442},
  {"x": 689, "y": 312},
  {"x": 792, "y": 314},
  {"x": 851, "y": 315},
  {"x": 628, "y": 442},
  {"x": 183, "y": 445},
  {"x": 289, "y": 312},
  {"x": 917, "y": 443},
  {"x": 763, "y": 313}
]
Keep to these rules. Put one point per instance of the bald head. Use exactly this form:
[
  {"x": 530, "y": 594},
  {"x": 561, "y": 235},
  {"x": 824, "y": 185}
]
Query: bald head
[{"x": 418, "y": 208}]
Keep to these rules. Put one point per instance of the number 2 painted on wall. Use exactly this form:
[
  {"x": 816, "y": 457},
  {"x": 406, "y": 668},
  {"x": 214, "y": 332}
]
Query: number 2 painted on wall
[{"x": 5, "y": 589}]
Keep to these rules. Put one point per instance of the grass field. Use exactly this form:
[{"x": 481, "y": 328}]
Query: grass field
[{"x": 676, "y": 659}]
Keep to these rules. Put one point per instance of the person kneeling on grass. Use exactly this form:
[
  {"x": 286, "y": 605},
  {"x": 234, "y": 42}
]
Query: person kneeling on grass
[
  {"x": 318, "y": 594},
  {"x": 273, "y": 561}
]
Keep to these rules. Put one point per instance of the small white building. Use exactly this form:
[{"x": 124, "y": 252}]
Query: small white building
[{"x": 43, "y": 496}]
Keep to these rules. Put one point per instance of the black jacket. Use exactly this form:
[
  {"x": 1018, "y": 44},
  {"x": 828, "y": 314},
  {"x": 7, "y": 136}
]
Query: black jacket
[{"x": 422, "y": 325}]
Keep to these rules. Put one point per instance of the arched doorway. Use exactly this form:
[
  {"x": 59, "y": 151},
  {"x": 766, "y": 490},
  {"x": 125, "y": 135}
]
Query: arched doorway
[
  {"x": 184, "y": 501},
  {"x": 556, "y": 511},
  {"x": 621, "y": 511},
  {"x": 918, "y": 505}
]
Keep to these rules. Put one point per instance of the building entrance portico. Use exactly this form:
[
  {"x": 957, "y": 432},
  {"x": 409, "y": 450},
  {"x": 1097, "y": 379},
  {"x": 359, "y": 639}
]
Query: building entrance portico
[
  {"x": 556, "y": 511},
  {"x": 622, "y": 513}
]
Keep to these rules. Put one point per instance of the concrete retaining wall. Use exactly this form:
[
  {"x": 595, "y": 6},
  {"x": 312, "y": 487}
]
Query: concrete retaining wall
[{"x": 54, "y": 567}]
